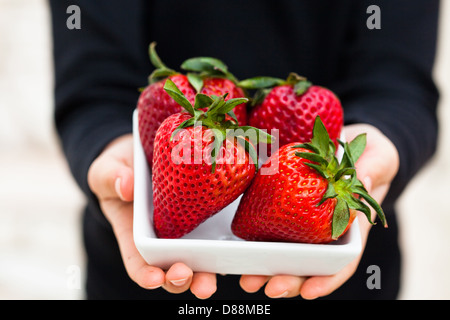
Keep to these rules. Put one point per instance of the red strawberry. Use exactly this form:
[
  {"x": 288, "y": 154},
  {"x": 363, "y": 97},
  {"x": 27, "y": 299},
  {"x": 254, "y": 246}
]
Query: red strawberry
[
  {"x": 195, "y": 174},
  {"x": 291, "y": 106},
  {"x": 306, "y": 195},
  {"x": 155, "y": 105}
]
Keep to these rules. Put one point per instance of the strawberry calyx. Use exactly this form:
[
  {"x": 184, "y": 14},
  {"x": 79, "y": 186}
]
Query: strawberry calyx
[
  {"x": 200, "y": 68},
  {"x": 263, "y": 85},
  {"x": 215, "y": 118},
  {"x": 162, "y": 71},
  {"x": 343, "y": 184}
]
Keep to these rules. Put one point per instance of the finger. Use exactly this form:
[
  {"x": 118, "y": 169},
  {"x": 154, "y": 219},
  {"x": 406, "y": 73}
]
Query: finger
[
  {"x": 252, "y": 283},
  {"x": 124, "y": 184},
  {"x": 372, "y": 165},
  {"x": 204, "y": 285},
  {"x": 146, "y": 276},
  {"x": 110, "y": 178},
  {"x": 284, "y": 286},
  {"x": 111, "y": 174},
  {"x": 178, "y": 278},
  {"x": 120, "y": 215},
  {"x": 380, "y": 159},
  {"x": 372, "y": 172},
  {"x": 321, "y": 286}
]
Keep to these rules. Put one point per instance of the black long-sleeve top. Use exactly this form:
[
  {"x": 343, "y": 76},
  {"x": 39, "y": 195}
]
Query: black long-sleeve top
[{"x": 382, "y": 76}]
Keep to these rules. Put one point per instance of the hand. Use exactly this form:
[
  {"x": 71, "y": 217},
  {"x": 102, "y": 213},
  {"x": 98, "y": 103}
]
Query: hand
[
  {"x": 111, "y": 178},
  {"x": 376, "y": 168}
]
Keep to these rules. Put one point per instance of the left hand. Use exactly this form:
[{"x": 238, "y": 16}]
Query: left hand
[
  {"x": 110, "y": 178},
  {"x": 376, "y": 169}
]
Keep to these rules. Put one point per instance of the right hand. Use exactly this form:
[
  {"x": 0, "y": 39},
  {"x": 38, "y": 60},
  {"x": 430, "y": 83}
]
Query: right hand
[
  {"x": 111, "y": 179},
  {"x": 376, "y": 168}
]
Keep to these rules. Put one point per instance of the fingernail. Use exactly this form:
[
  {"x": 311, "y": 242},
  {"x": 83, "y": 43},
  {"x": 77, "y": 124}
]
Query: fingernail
[
  {"x": 154, "y": 287},
  {"x": 179, "y": 283},
  {"x": 284, "y": 294},
  {"x": 117, "y": 187}
]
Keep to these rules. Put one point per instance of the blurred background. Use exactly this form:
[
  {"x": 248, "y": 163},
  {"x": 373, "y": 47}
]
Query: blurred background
[{"x": 41, "y": 255}]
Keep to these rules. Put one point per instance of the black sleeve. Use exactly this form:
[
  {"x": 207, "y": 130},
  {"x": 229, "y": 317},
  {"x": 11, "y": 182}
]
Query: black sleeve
[
  {"x": 97, "y": 76},
  {"x": 388, "y": 81},
  {"x": 385, "y": 76}
]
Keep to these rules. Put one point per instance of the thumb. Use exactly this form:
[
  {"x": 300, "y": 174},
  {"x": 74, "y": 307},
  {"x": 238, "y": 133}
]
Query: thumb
[
  {"x": 375, "y": 170},
  {"x": 111, "y": 176},
  {"x": 379, "y": 163},
  {"x": 124, "y": 183}
]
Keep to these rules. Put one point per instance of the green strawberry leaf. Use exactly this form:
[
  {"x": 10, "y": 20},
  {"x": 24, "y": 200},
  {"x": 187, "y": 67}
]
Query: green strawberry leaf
[
  {"x": 160, "y": 74},
  {"x": 196, "y": 81},
  {"x": 308, "y": 146},
  {"x": 161, "y": 71},
  {"x": 341, "y": 218},
  {"x": 344, "y": 172},
  {"x": 230, "y": 104},
  {"x": 294, "y": 78},
  {"x": 357, "y": 146},
  {"x": 259, "y": 96},
  {"x": 313, "y": 157},
  {"x": 208, "y": 67},
  {"x": 320, "y": 137},
  {"x": 218, "y": 102},
  {"x": 373, "y": 203},
  {"x": 178, "y": 96},
  {"x": 202, "y": 101},
  {"x": 358, "y": 184},
  {"x": 318, "y": 168},
  {"x": 187, "y": 123},
  {"x": 301, "y": 87},
  {"x": 357, "y": 204},
  {"x": 259, "y": 136},
  {"x": 204, "y": 64},
  {"x": 329, "y": 194},
  {"x": 219, "y": 137},
  {"x": 233, "y": 115},
  {"x": 154, "y": 58},
  {"x": 249, "y": 148},
  {"x": 260, "y": 83}
]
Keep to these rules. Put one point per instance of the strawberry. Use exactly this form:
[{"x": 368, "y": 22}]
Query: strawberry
[
  {"x": 210, "y": 76},
  {"x": 307, "y": 197},
  {"x": 201, "y": 164},
  {"x": 155, "y": 105},
  {"x": 291, "y": 106}
]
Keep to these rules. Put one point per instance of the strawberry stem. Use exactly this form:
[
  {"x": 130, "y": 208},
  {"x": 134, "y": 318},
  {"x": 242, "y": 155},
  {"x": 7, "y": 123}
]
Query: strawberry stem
[
  {"x": 263, "y": 85},
  {"x": 206, "y": 67},
  {"x": 161, "y": 71}
]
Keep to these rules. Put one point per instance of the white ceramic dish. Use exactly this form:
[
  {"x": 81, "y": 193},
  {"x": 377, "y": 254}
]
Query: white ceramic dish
[{"x": 213, "y": 248}]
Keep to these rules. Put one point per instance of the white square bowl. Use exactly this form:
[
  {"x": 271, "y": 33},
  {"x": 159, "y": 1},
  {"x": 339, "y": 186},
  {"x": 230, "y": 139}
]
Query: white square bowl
[{"x": 212, "y": 247}]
